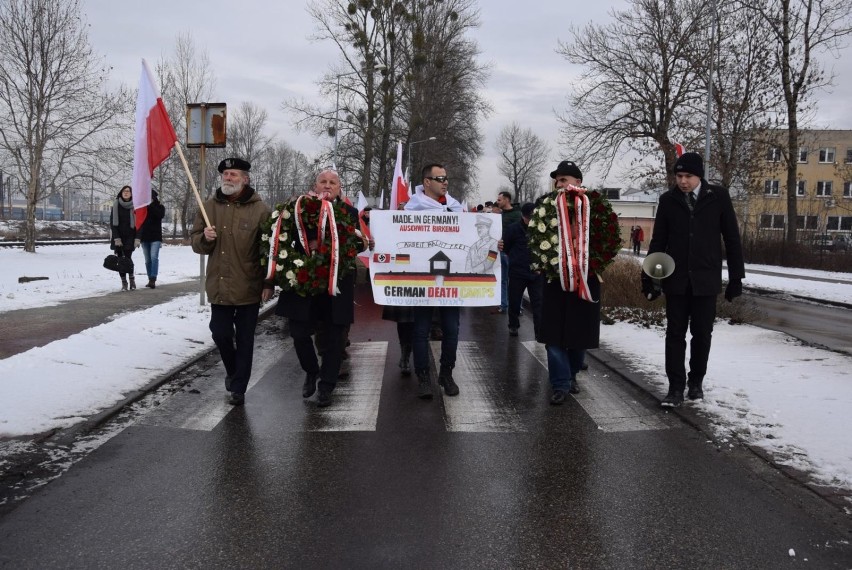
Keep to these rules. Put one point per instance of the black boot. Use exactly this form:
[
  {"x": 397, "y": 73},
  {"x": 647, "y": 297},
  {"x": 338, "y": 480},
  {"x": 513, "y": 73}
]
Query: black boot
[
  {"x": 424, "y": 386},
  {"x": 152, "y": 282},
  {"x": 132, "y": 282},
  {"x": 405, "y": 359},
  {"x": 445, "y": 379},
  {"x": 123, "y": 281}
]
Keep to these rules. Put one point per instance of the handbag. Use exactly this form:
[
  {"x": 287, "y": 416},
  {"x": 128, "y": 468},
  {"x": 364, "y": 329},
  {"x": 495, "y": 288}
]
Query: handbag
[
  {"x": 120, "y": 264},
  {"x": 111, "y": 262}
]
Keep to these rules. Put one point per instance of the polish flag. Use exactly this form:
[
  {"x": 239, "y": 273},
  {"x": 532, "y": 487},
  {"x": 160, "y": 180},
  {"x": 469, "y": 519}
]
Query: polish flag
[
  {"x": 155, "y": 138},
  {"x": 679, "y": 150},
  {"x": 399, "y": 189}
]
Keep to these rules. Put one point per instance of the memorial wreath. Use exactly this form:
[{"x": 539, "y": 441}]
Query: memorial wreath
[
  {"x": 573, "y": 231},
  {"x": 308, "y": 245}
]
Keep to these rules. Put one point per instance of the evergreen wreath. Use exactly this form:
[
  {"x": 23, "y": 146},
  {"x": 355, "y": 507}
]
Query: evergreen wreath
[
  {"x": 543, "y": 238},
  {"x": 304, "y": 273}
]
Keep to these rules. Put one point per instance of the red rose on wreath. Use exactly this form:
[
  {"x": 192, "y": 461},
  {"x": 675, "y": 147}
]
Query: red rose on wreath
[
  {"x": 302, "y": 276},
  {"x": 321, "y": 272}
]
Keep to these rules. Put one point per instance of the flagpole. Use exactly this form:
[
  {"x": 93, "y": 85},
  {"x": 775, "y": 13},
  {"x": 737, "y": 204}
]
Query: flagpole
[{"x": 192, "y": 183}]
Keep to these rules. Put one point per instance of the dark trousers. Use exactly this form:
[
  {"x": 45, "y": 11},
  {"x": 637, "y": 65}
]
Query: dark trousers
[
  {"x": 696, "y": 312},
  {"x": 233, "y": 329},
  {"x": 534, "y": 286},
  {"x": 330, "y": 338},
  {"x": 636, "y": 245},
  {"x": 449, "y": 317}
]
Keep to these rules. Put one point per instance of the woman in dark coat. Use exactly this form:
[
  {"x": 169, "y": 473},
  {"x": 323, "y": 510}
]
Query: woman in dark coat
[
  {"x": 151, "y": 236},
  {"x": 123, "y": 225}
]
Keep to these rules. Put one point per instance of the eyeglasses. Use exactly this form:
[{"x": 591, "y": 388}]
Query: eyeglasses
[{"x": 438, "y": 179}]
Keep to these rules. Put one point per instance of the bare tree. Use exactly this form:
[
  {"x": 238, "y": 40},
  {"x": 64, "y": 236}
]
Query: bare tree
[
  {"x": 246, "y": 136},
  {"x": 637, "y": 91},
  {"x": 523, "y": 155},
  {"x": 442, "y": 93},
  {"x": 800, "y": 29},
  {"x": 56, "y": 119}
]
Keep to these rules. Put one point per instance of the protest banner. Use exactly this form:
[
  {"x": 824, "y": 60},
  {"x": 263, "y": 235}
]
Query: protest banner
[{"x": 434, "y": 258}]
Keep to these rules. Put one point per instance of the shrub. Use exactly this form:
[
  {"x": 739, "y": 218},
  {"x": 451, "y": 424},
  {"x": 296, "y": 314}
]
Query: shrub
[{"x": 622, "y": 298}]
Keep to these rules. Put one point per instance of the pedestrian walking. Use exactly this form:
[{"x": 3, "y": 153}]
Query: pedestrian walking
[
  {"x": 521, "y": 277},
  {"x": 573, "y": 235},
  {"x": 691, "y": 217},
  {"x": 317, "y": 311},
  {"x": 234, "y": 281},
  {"x": 123, "y": 231},
  {"x": 434, "y": 197},
  {"x": 509, "y": 215},
  {"x": 151, "y": 238}
]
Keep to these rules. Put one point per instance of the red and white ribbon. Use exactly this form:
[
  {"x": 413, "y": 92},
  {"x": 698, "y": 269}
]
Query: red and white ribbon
[
  {"x": 574, "y": 252},
  {"x": 325, "y": 222},
  {"x": 273, "y": 250}
]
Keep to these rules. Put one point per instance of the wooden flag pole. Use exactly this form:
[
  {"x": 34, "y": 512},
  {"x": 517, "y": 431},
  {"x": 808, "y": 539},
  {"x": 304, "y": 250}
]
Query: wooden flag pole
[{"x": 192, "y": 183}]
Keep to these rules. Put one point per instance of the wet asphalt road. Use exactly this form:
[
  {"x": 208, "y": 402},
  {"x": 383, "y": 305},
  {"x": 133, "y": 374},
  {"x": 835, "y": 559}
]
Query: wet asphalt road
[{"x": 495, "y": 478}]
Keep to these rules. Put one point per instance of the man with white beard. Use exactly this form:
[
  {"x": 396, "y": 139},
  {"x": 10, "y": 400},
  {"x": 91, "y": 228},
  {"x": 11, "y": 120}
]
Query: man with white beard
[{"x": 234, "y": 281}]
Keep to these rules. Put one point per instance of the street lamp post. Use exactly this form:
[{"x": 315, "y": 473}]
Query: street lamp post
[{"x": 411, "y": 144}]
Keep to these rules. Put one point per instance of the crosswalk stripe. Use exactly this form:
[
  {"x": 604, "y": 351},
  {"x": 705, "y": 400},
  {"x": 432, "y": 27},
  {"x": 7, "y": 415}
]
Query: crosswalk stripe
[
  {"x": 356, "y": 399},
  {"x": 479, "y": 407},
  {"x": 608, "y": 403},
  {"x": 204, "y": 411}
]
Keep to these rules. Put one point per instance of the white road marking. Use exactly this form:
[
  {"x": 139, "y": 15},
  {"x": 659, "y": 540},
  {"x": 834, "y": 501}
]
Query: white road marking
[
  {"x": 355, "y": 400},
  {"x": 479, "y": 407},
  {"x": 608, "y": 403},
  {"x": 205, "y": 410}
]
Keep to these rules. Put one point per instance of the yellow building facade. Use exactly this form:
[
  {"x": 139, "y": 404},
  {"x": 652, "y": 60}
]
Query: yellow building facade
[{"x": 823, "y": 189}]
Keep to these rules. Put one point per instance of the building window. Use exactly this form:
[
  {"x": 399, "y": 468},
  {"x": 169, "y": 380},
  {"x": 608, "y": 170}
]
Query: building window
[
  {"x": 771, "y": 187},
  {"x": 806, "y": 222},
  {"x": 826, "y": 155},
  {"x": 847, "y": 189},
  {"x": 800, "y": 188},
  {"x": 848, "y": 159},
  {"x": 803, "y": 154},
  {"x": 846, "y": 224},
  {"x": 773, "y": 154},
  {"x": 833, "y": 223},
  {"x": 612, "y": 193},
  {"x": 823, "y": 188},
  {"x": 774, "y": 221}
]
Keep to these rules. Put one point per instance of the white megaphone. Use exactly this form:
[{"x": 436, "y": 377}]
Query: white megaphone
[{"x": 658, "y": 266}]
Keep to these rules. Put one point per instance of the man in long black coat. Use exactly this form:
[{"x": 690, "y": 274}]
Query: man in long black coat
[
  {"x": 324, "y": 314},
  {"x": 569, "y": 324},
  {"x": 690, "y": 218}
]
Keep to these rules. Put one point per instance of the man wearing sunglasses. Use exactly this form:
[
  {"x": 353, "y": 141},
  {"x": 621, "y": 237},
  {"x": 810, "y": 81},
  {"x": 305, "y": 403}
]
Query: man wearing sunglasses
[{"x": 432, "y": 196}]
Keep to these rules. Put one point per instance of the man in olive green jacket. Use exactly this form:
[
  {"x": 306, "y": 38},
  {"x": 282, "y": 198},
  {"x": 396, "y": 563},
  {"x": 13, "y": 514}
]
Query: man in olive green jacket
[{"x": 234, "y": 281}]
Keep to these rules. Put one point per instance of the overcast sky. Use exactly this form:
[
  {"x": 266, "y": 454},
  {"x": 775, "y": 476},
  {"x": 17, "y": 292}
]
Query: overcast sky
[{"x": 261, "y": 53}]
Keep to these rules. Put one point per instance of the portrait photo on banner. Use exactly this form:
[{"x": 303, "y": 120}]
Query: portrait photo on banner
[{"x": 433, "y": 258}]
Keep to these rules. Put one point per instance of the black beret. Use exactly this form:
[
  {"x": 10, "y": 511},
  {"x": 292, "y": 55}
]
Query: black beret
[
  {"x": 567, "y": 168},
  {"x": 234, "y": 164},
  {"x": 691, "y": 163}
]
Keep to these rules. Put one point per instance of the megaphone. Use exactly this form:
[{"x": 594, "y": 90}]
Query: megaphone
[{"x": 658, "y": 266}]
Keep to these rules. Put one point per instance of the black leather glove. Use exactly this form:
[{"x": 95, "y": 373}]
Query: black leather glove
[
  {"x": 648, "y": 290},
  {"x": 734, "y": 289}
]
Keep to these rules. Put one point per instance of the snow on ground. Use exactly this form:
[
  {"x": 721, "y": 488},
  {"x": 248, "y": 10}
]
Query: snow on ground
[
  {"x": 839, "y": 289},
  {"x": 77, "y": 271},
  {"x": 765, "y": 387}
]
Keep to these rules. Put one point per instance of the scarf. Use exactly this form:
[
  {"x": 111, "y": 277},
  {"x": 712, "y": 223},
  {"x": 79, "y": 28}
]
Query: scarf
[{"x": 127, "y": 206}]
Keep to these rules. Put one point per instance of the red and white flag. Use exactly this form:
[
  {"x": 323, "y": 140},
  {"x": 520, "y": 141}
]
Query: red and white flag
[
  {"x": 679, "y": 150},
  {"x": 155, "y": 138},
  {"x": 399, "y": 189}
]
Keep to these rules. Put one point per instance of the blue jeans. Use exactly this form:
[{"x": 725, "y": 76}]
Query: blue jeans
[
  {"x": 449, "y": 343},
  {"x": 504, "y": 282},
  {"x": 563, "y": 365},
  {"x": 151, "y": 251}
]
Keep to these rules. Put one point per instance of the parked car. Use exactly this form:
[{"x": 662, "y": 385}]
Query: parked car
[
  {"x": 823, "y": 242},
  {"x": 841, "y": 243}
]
